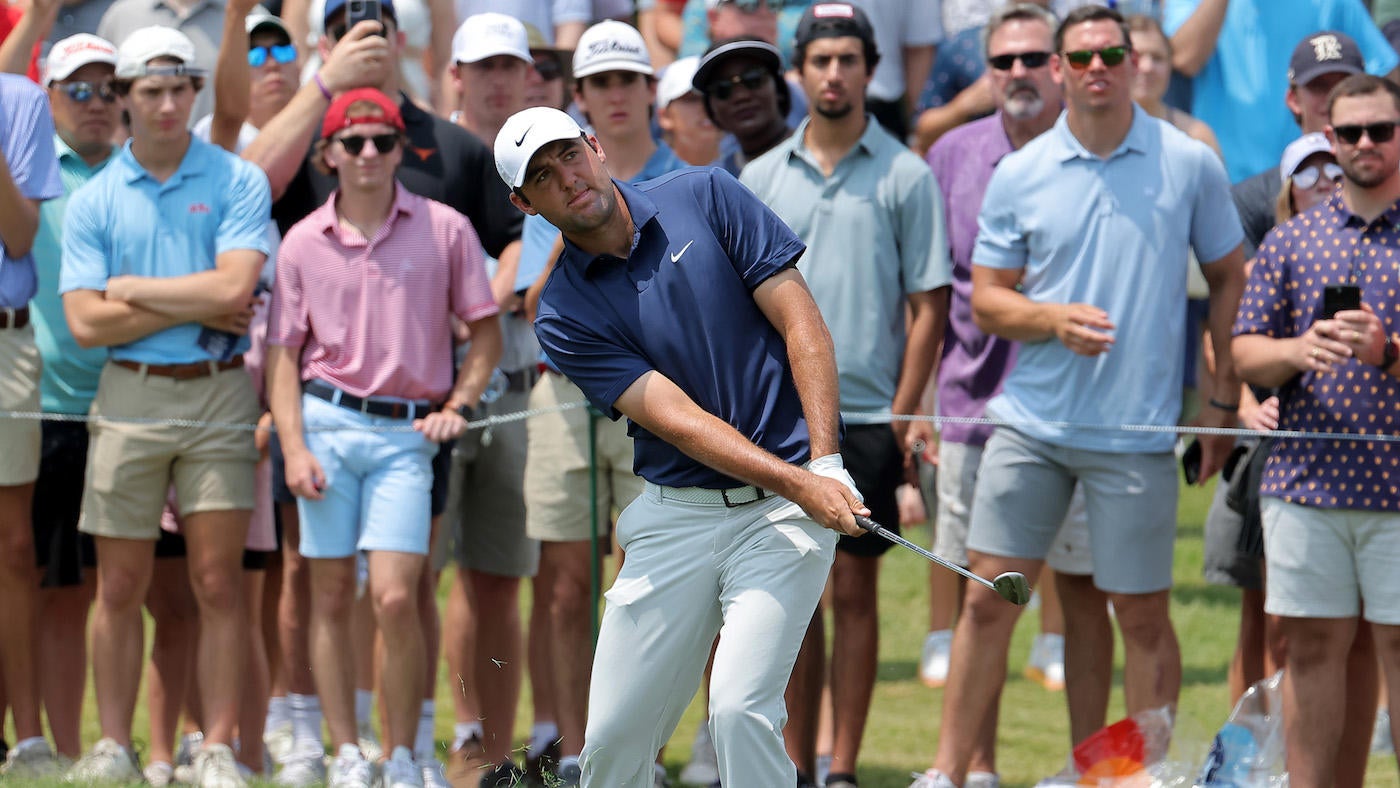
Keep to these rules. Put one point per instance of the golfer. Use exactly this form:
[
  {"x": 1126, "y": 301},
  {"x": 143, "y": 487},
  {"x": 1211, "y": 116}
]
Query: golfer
[{"x": 677, "y": 304}]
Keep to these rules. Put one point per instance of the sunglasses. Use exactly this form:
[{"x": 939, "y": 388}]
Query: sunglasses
[
  {"x": 83, "y": 92},
  {"x": 1378, "y": 132},
  {"x": 1028, "y": 59},
  {"x": 753, "y": 79},
  {"x": 549, "y": 69},
  {"x": 1080, "y": 59},
  {"x": 282, "y": 54},
  {"x": 1306, "y": 178},
  {"x": 355, "y": 143}
]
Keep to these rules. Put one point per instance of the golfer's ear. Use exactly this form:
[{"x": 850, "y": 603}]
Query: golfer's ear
[{"x": 520, "y": 201}]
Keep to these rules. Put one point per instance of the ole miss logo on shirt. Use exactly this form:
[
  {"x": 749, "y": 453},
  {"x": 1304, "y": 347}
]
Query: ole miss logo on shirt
[{"x": 198, "y": 207}]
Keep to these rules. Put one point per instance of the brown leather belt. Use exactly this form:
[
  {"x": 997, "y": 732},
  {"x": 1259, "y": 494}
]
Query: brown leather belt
[
  {"x": 199, "y": 369},
  {"x": 14, "y": 318}
]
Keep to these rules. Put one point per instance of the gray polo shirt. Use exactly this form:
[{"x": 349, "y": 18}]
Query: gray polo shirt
[
  {"x": 874, "y": 232},
  {"x": 74, "y": 18},
  {"x": 203, "y": 23}
]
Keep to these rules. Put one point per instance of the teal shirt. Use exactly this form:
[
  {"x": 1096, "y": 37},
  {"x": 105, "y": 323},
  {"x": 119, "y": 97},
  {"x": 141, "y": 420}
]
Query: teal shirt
[
  {"x": 70, "y": 374},
  {"x": 874, "y": 232}
]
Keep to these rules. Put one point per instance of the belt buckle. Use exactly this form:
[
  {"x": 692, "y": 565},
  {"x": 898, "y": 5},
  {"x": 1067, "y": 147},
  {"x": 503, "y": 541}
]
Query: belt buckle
[
  {"x": 9, "y": 316},
  {"x": 724, "y": 495}
]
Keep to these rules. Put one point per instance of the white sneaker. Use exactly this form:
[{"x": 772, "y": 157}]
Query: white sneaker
[
  {"x": 302, "y": 771},
  {"x": 400, "y": 773},
  {"x": 189, "y": 746},
  {"x": 982, "y": 780},
  {"x": 933, "y": 661},
  {"x": 106, "y": 762},
  {"x": 1047, "y": 663},
  {"x": 932, "y": 779},
  {"x": 434, "y": 773},
  {"x": 660, "y": 780},
  {"x": 215, "y": 767},
  {"x": 159, "y": 773},
  {"x": 1380, "y": 737},
  {"x": 350, "y": 771},
  {"x": 280, "y": 741},
  {"x": 30, "y": 761},
  {"x": 369, "y": 743},
  {"x": 703, "y": 768}
]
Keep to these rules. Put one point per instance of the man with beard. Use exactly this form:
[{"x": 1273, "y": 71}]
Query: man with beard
[
  {"x": 1020, "y": 39},
  {"x": 872, "y": 218},
  {"x": 1089, "y": 287},
  {"x": 1329, "y": 506},
  {"x": 747, "y": 96}
]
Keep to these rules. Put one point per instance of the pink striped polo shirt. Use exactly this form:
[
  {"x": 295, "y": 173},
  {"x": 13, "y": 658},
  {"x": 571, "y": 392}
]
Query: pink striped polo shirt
[{"x": 373, "y": 316}]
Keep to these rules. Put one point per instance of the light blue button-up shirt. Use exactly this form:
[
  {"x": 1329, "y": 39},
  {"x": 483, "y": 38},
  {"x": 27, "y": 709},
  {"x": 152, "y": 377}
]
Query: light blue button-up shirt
[
  {"x": 26, "y": 139},
  {"x": 1113, "y": 232}
]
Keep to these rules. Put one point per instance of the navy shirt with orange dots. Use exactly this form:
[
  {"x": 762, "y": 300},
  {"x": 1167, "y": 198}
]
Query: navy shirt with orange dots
[
  {"x": 682, "y": 304},
  {"x": 1329, "y": 245}
]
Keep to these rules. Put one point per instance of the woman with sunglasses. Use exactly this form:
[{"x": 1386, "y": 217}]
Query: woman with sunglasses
[{"x": 1154, "y": 73}]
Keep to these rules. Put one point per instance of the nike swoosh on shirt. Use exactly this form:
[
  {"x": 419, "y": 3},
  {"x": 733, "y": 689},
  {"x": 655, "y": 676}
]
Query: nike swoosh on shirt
[{"x": 676, "y": 256}]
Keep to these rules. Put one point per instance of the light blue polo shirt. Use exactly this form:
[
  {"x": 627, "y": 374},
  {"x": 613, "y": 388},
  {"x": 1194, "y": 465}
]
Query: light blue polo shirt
[
  {"x": 69, "y": 380},
  {"x": 1114, "y": 233},
  {"x": 26, "y": 140},
  {"x": 874, "y": 232},
  {"x": 125, "y": 222}
]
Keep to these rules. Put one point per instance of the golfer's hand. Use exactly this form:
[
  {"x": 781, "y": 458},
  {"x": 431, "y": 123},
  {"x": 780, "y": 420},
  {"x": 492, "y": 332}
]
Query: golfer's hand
[
  {"x": 441, "y": 426},
  {"x": 1083, "y": 328},
  {"x": 831, "y": 498},
  {"x": 304, "y": 475}
]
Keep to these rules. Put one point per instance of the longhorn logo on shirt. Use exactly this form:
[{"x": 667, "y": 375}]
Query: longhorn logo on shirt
[
  {"x": 423, "y": 154},
  {"x": 198, "y": 207}
]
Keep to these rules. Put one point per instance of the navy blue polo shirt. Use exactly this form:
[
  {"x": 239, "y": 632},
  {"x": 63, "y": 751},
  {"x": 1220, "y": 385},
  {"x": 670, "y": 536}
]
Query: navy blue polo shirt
[{"x": 682, "y": 304}]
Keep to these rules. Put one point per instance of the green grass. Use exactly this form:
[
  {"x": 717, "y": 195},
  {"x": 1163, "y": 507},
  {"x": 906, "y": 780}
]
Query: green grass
[{"x": 903, "y": 727}]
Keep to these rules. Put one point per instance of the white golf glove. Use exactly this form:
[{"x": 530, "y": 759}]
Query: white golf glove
[{"x": 831, "y": 467}]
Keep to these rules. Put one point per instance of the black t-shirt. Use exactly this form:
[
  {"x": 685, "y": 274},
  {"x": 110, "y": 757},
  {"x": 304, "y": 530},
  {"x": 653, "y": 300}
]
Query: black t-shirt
[
  {"x": 442, "y": 162},
  {"x": 1255, "y": 199}
]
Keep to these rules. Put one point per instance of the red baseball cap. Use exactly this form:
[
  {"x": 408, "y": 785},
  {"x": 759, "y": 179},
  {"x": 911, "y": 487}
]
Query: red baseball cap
[{"x": 338, "y": 116}]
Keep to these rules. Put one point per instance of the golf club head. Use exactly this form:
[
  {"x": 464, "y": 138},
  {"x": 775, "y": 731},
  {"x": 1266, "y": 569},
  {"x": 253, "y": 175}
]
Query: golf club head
[{"x": 1012, "y": 587}]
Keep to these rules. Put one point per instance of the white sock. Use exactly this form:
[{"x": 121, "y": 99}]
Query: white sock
[
  {"x": 278, "y": 711},
  {"x": 567, "y": 760},
  {"x": 463, "y": 731},
  {"x": 32, "y": 741},
  {"x": 364, "y": 701},
  {"x": 348, "y": 750},
  {"x": 423, "y": 743},
  {"x": 543, "y": 734},
  {"x": 306, "y": 723},
  {"x": 401, "y": 753}
]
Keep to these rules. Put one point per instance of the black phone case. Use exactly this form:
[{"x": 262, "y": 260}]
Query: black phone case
[{"x": 1340, "y": 298}]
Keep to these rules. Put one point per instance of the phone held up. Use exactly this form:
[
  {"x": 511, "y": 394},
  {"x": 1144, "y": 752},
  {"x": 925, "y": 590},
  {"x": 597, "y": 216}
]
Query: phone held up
[
  {"x": 357, "y": 11},
  {"x": 1191, "y": 462},
  {"x": 1340, "y": 298}
]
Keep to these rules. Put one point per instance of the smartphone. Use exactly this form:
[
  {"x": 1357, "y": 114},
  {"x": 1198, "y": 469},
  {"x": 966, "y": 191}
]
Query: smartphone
[
  {"x": 1191, "y": 462},
  {"x": 359, "y": 10},
  {"x": 1339, "y": 298}
]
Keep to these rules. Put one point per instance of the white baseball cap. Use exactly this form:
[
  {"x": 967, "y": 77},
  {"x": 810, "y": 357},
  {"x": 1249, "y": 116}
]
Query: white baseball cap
[
  {"x": 1299, "y": 150},
  {"x": 611, "y": 46},
  {"x": 676, "y": 81},
  {"x": 490, "y": 34},
  {"x": 260, "y": 17},
  {"x": 149, "y": 43},
  {"x": 74, "y": 52},
  {"x": 526, "y": 132}
]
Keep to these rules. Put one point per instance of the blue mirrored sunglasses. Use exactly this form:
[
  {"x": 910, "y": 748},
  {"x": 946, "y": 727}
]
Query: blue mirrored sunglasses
[{"x": 282, "y": 53}]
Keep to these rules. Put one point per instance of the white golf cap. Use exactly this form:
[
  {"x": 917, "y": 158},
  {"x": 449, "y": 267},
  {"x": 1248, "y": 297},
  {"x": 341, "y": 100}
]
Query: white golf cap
[
  {"x": 611, "y": 46},
  {"x": 676, "y": 81},
  {"x": 74, "y": 52},
  {"x": 260, "y": 17},
  {"x": 1299, "y": 150},
  {"x": 526, "y": 132},
  {"x": 488, "y": 35},
  {"x": 149, "y": 43}
]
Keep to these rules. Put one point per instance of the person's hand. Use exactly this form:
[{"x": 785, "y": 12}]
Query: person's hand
[
  {"x": 1214, "y": 448},
  {"x": 262, "y": 436},
  {"x": 241, "y": 8},
  {"x": 1083, "y": 328},
  {"x": 917, "y": 443},
  {"x": 829, "y": 496},
  {"x": 304, "y": 475},
  {"x": 120, "y": 288},
  {"x": 1360, "y": 330},
  {"x": 441, "y": 425},
  {"x": 360, "y": 59},
  {"x": 1328, "y": 343},
  {"x": 1262, "y": 417},
  {"x": 236, "y": 323}
]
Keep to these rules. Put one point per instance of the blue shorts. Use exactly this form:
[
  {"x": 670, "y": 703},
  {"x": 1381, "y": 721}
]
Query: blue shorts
[{"x": 378, "y": 484}]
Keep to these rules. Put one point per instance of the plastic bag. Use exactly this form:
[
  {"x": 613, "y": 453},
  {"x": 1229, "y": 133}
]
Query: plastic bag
[
  {"x": 1121, "y": 755},
  {"x": 1248, "y": 751}
]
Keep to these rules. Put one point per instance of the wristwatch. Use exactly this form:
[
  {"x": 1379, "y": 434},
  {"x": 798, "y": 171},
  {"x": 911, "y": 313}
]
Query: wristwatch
[
  {"x": 1390, "y": 353},
  {"x": 466, "y": 412}
]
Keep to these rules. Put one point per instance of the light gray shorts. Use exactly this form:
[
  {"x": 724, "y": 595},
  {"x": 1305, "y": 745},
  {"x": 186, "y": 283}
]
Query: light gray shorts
[
  {"x": 1024, "y": 490},
  {"x": 1322, "y": 563}
]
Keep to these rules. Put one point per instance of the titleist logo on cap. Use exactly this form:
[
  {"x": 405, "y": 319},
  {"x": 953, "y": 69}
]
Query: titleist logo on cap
[
  {"x": 83, "y": 46},
  {"x": 608, "y": 46},
  {"x": 830, "y": 10}
]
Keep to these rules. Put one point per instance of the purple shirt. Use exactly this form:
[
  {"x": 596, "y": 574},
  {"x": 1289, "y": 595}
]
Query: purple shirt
[
  {"x": 1330, "y": 245},
  {"x": 26, "y": 140},
  {"x": 973, "y": 364}
]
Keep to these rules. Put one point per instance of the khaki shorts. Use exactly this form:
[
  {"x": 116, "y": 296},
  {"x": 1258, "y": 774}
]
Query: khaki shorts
[
  {"x": 19, "y": 391},
  {"x": 1323, "y": 563},
  {"x": 557, "y": 468},
  {"x": 132, "y": 465}
]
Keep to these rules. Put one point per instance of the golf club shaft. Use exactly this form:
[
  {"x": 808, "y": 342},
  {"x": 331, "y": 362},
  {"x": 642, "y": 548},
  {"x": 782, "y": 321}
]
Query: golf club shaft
[{"x": 875, "y": 528}]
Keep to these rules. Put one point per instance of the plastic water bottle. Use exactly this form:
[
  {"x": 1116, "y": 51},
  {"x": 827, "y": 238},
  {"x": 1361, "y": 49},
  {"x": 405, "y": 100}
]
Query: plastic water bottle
[
  {"x": 496, "y": 387},
  {"x": 1248, "y": 750}
]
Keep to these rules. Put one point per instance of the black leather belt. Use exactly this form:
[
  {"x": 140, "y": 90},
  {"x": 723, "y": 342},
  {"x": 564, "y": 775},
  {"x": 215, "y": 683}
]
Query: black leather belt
[
  {"x": 14, "y": 318},
  {"x": 370, "y": 406}
]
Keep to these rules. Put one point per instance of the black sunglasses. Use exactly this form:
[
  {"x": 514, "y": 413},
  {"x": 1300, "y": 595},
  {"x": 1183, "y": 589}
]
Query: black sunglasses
[
  {"x": 83, "y": 92},
  {"x": 355, "y": 143},
  {"x": 1028, "y": 59},
  {"x": 1378, "y": 132},
  {"x": 722, "y": 89},
  {"x": 1080, "y": 59},
  {"x": 549, "y": 69}
]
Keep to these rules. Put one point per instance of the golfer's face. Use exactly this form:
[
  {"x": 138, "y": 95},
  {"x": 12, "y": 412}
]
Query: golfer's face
[{"x": 568, "y": 185}]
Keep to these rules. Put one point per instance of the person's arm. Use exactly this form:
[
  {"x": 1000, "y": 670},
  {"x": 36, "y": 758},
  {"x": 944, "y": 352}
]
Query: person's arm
[
  {"x": 17, "y": 50},
  {"x": 1000, "y": 309},
  {"x": 96, "y": 321},
  {"x": 296, "y": 16},
  {"x": 358, "y": 60},
  {"x": 567, "y": 34},
  {"x": 482, "y": 357},
  {"x": 232, "y": 77},
  {"x": 971, "y": 103},
  {"x": 503, "y": 282},
  {"x": 928, "y": 315},
  {"x": 532, "y": 295},
  {"x": 787, "y": 303},
  {"x": 918, "y": 62},
  {"x": 443, "y": 21},
  {"x": 1194, "y": 42},
  {"x": 305, "y": 478},
  {"x": 1226, "y": 279},
  {"x": 227, "y": 287},
  {"x": 19, "y": 215}
]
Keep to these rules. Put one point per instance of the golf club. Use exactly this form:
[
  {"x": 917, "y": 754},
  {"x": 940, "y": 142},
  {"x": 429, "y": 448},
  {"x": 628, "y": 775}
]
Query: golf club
[{"x": 1011, "y": 586}]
